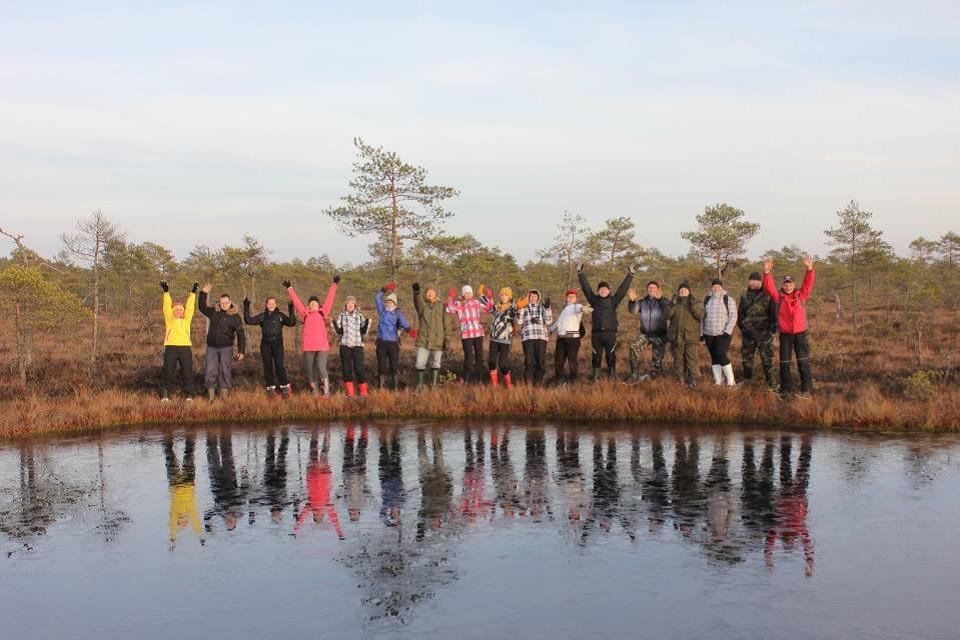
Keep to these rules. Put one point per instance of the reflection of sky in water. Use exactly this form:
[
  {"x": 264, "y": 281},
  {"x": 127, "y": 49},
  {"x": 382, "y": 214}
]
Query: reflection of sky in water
[{"x": 476, "y": 531}]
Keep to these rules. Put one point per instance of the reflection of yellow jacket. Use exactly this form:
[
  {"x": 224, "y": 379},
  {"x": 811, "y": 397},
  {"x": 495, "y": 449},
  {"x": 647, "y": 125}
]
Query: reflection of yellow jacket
[
  {"x": 178, "y": 329},
  {"x": 183, "y": 505}
]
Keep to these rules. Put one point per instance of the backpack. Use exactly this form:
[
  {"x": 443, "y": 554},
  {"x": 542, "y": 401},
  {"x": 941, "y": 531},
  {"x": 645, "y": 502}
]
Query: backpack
[{"x": 726, "y": 302}]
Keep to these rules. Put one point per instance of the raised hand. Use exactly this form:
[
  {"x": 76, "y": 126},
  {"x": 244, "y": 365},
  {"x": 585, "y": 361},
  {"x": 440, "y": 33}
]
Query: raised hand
[
  {"x": 164, "y": 286},
  {"x": 768, "y": 266},
  {"x": 416, "y": 287},
  {"x": 808, "y": 263},
  {"x": 631, "y": 269},
  {"x": 390, "y": 286},
  {"x": 452, "y": 293},
  {"x": 286, "y": 284},
  {"x": 546, "y": 302},
  {"x": 207, "y": 287},
  {"x": 246, "y": 302},
  {"x": 579, "y": 267},
  {"x": 196, "y": 285},
  {"x": 632, "y": 294},
  {"x": 336, "y": 278}
]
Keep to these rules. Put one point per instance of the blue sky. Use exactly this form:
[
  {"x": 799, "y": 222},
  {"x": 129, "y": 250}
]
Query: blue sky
[{"x": 192, "y": 123}]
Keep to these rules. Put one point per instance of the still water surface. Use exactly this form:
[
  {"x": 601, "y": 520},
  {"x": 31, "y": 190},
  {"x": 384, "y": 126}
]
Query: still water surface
[{"x": 479, "y": 531}]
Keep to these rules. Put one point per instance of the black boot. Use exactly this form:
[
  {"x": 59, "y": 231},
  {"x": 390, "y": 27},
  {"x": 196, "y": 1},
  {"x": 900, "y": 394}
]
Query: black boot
[
  {"x": 421, "y": 377},
  {"x": 595, "y": 375}
]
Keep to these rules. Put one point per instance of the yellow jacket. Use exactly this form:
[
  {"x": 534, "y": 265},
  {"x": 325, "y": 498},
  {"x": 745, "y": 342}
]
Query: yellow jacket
[
  {"x": 178, "y": 329},
  {"x": 183, "y": 509}
]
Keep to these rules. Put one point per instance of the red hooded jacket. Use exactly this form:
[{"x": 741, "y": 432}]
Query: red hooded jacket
[{"x": 792, "y": 316}]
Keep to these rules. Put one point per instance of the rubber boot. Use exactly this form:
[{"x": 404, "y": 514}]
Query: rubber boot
[
  {"x": 717, "y": 374},
  {"x": 421, "y": 377},
  {"x": 224, "y": 393},
  {"x": 434, "y": 376},
  {"x": 364, "y": 390},
  {"x": 595, "y": 375},
  {"x": 285, "y": 391},
  {"x": 271, "y": 391},
  {"x": 507, "y": 381},
  {"x": 211, "y": 394},
  {"x": 494, "y": 378},
  {"x": 728, "y": 375},
  {"x": 611, "y": 372},
  {"x": 395, "y": 382},
  {"x": 326, "y": 387},
  {"x": 383, "y": 382},
  {"x": 634, "y": 371},
  {"x": 313, "y": 389},
  {"x": 348, "y": 387}
]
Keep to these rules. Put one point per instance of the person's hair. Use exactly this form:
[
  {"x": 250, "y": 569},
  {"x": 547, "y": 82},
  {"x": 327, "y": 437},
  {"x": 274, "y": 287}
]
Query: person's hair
[
  {"x": 224, "y": 295},
  {"x": 274, "y": 298},
  {"x": 654, "y": 283}
]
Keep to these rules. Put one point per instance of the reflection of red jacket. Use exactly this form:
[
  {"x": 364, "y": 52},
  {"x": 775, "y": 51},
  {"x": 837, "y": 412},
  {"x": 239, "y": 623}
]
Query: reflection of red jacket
[
  {"x": 792, "y": 317},
  {"x": 318, "y": 498}
]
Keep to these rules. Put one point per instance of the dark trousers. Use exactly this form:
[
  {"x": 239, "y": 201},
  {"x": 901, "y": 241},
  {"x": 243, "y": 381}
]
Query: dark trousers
[
  {"x": 351, "y": 361},
  {"x": 173, "y": 356},
  {"x": 388, "y": 357},
  {"x": 566, "y": 354},
  {"x": 499, "y": 357},
  {"x": 718, "y": 347},
  {"x": 604, "y": 343},
  {"x": 760, "y": 342},
  {"x": 535, "y": 360},
  {"x": 472, "y": 358},
  {"x": 271, "y": 353},
  {"x": 790, "y": 344}
]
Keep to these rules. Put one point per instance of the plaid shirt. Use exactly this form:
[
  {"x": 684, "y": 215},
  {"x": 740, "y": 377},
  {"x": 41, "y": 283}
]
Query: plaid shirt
[
  {"x": 535, "y": 322},
  {"x": 468, "y": 312},
  {"x": 351, "y": 327},
  {"x": 719, "y": 317}
]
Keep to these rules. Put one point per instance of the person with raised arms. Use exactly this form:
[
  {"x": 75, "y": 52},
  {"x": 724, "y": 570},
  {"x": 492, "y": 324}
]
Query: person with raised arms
[{"x": 316, "y": 345}]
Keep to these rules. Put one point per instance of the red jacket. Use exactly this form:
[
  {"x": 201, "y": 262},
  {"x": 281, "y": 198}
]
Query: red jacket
[{"x": 792, "y": 316}]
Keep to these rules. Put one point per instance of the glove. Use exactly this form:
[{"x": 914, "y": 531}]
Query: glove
[
  {"x": 390, "y": 287},
  {"x": 580, "y": 267},
  {"x": 631, "y": 269},
  {"x": 488, "y": 292},
  {"x": 452, "y": 293},
  {"x": 246, "y": 303},
  {"x": 702, "y": 338},
  {"x": 522, "y": 302},
  {"x": 336, "y": 278},
  {"x": 416, "y": 287},
  {"x": 546, "y": 302},
  {"x": 412, "y": 333},
  {"x": 164, "y": 286},
  {"x": 196, "y": 285},
  {"x": 286, "y": 284}
]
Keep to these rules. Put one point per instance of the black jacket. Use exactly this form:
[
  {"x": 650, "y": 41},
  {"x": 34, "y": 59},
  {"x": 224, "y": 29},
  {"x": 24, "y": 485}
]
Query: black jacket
[
  {"x": 223, "y": 325},
  {"x": 653, "y": 314},
  {"x": 605, "y": 309},
  {"x": 271, "y": 323}
]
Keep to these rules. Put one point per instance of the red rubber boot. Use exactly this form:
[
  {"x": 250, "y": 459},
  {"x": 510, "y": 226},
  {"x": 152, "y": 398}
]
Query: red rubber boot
[{"x": 349, "y": 388}]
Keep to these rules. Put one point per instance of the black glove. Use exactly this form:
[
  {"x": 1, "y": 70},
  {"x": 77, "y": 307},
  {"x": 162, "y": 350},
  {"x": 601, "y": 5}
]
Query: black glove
[
  {"x": 416, "y": 287},
  {"x": 546, "y": 302},
  {"x": 246, "y": 303},
  {"x": 164, "y": 286},
  {"x": 286, "y": 284},
  {"x": 290, "y": 309},
  {"x": 702, "y": 338},
  {"x": 579, "y": 267},
  {"x": 336, "y": 278},
  {"x": 196, "y": 285}
]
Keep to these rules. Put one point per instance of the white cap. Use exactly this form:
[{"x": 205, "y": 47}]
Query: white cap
[{"x": 466, "y": 289}]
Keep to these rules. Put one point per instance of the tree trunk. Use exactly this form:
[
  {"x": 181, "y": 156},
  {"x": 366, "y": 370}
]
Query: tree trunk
[
  {"x": 22, "y": 345},
  {"x": 96, "y": 307}
]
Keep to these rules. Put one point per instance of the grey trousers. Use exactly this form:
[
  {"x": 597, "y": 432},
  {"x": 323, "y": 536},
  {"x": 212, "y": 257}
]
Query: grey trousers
[
  {"x": 218, "y": 367},
  {"x": 316, "y": 364}
]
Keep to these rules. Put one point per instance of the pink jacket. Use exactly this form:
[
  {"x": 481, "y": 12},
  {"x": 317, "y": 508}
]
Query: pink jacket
[
  {"x": 314, "y": 322},
  {"x": 468, "y": 312}
]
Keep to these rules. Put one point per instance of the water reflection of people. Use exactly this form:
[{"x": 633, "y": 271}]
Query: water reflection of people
[
  {"x": 392, "y": 493},
  {"x": 535, "y": 479},
  {"x": 227, "y": 489},
  {"x": 436, "y": 485},
  {"x": 792, "y": 505},
  {"x": 569, "y": 475},
  {"x": 471, "y": 503},
  {"x": 507, "y": 497},
  {"x": 605, "y": 501},
  {"x": 319, "y": 504},
  {"x": 275, "y": 474},
  {"x": 655, "y": 491},
  {"x": 181, "y": 478},
  {"x": 355, "y": 470},
  {"x": 687, "y": 500},
  {"x": 721, "y": 544},
  {"x": 756, "y": 491}
]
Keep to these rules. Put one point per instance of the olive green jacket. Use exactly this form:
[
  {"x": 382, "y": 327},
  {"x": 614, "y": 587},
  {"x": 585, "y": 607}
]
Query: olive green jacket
[
  {"x": 684, "y": 317},
  {"x": 431, "y": 331}
]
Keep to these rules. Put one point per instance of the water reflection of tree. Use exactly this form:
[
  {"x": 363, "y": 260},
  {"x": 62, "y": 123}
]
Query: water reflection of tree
[
  {"x": 228, "y": 488},
  {"x": 397, "y": 570},
  {"x": 181, "y": 480},
  {"x": 355, "y": 470}
]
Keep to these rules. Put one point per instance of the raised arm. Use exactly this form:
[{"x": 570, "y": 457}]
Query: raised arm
[
  {"x": 247, "y": 318},
  {"x": 302, "y": 310},
  {"x": 587, "y": 290},
  {"x": 289, "y": 319},
  {"x": 167, "y": 307},
  {"x": 809, "y": 277},
  {"x": 331, "y": 294},
  {"x": 770, "y": 287},
  {"x": 622, "y": 289},
  {"x": 191, "y": 305},
  {"x": 378, "y": 299},
  {"x": 204, "y": 309},
  {"x": 417, "y": 297}
]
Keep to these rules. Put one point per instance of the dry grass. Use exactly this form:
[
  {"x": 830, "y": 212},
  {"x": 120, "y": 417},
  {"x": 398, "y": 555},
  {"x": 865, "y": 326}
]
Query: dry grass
[{"x": 654, "y": 402}]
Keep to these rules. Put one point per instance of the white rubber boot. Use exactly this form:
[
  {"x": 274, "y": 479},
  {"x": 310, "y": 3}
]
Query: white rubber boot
[
  {"x": 728, "y": 375},
  {"x": 717, "y": 374}
]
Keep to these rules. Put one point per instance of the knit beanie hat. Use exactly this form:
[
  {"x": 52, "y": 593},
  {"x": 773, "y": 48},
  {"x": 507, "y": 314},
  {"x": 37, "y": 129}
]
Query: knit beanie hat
[
  {"x": 391, "y": 297},
  {"x": 755, "y": 276},
  {"x": 603, "y": 284},
  {"x": 716, "y": 281},
  {"x": 348, "y": 300},
  {"x": 683, "y": 285},
  {"x": 507, "y": 291},
  {"x": 313, "y": 299},
  {"x": 466, "y": 289}
]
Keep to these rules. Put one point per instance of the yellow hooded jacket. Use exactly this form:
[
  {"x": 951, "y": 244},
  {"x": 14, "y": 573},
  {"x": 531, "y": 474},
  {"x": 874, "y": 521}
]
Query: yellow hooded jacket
[{"x": 178, "y": 329}]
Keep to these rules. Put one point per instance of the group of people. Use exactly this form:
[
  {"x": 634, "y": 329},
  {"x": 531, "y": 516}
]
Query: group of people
[{"x": 763, "y": 311}]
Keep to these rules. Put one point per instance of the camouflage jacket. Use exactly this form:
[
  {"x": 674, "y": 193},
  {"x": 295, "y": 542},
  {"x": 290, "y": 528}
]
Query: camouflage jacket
[{"x": 757, "y": 312}]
